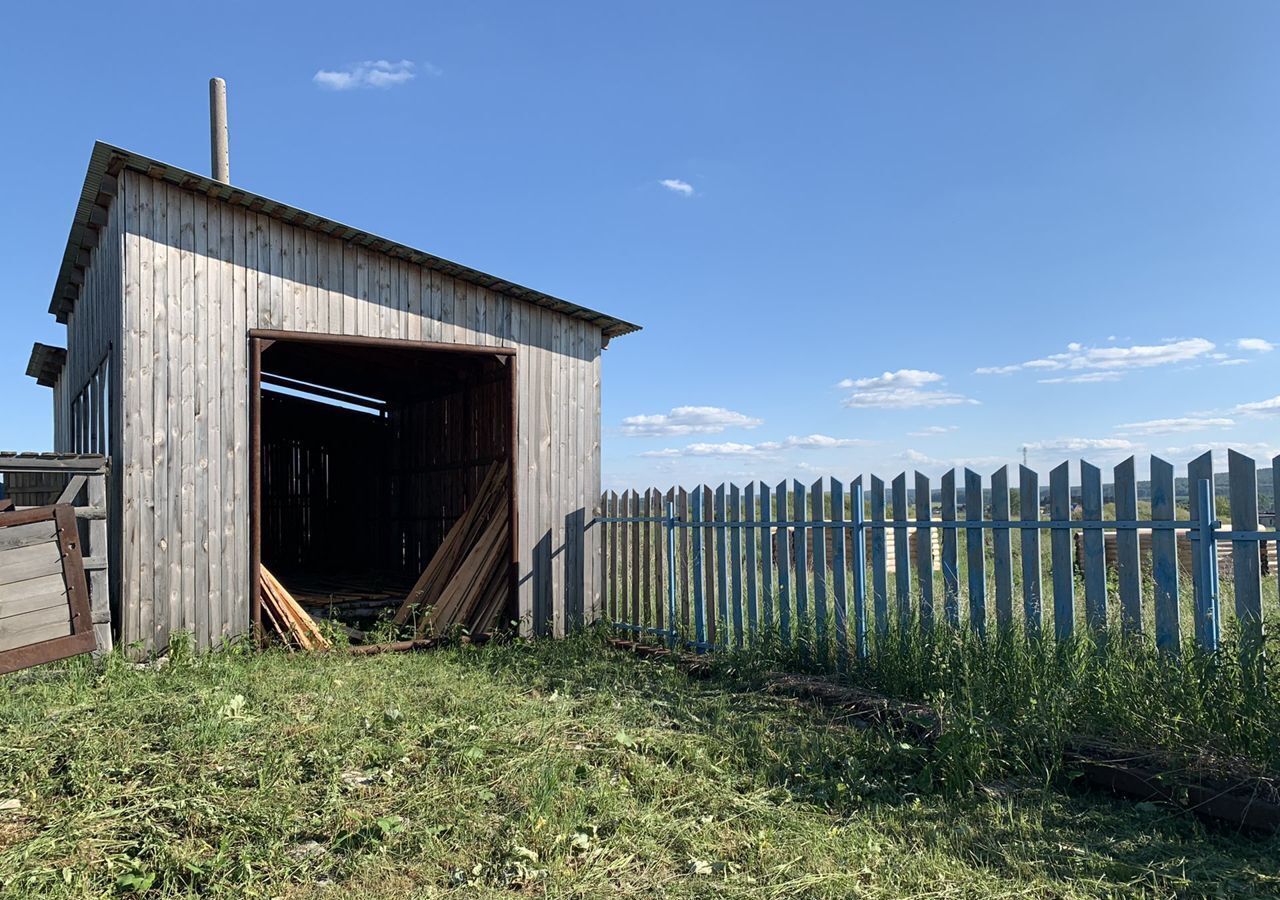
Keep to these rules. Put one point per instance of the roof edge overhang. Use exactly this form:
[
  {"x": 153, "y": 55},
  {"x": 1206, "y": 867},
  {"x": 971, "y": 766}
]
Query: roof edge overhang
[
  {"x": 101, "y": 184},
  {"x": 46, "y": 363}
]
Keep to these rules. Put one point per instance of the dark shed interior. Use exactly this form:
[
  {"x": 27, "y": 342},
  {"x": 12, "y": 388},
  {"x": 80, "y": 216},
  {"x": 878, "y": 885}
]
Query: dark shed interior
[{"x": 369, "y": 454}]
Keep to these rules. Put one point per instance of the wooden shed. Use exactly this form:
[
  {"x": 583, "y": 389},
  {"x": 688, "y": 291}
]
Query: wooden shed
[{"x": 275, "y": 387}]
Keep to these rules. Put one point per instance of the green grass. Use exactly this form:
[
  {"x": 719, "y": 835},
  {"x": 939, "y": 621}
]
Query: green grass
[{"x": 548, "y": 769}]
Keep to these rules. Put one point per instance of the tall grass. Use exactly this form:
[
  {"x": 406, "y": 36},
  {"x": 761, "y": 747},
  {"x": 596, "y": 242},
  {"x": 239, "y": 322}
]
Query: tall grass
[
  {"x": 1021, "y": 698},
  {"x": 544, "y": 769}
]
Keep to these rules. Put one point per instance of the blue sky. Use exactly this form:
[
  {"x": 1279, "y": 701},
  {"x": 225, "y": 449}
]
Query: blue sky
[{"x": 860, "y": 236}]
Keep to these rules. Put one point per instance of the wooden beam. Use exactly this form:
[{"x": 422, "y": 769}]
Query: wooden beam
[
  {"x": 74, "y": 485},
  {"x": 53, "y": 462},
  {"x": 351, "y": 341}
]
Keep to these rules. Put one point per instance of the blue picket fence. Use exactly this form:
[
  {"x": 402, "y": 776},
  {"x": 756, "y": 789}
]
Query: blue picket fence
[{"x": 811, "y": 565}]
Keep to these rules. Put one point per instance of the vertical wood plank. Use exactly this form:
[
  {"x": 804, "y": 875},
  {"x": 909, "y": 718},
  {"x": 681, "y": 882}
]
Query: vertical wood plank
[
  {"x": 766, "y": 560},
  {"x": 735, "y": 560},
  {"x": 722, "y": 569},
  {"x": 879, "y": 567},
  {"x": 803, "y": 629},
  {"x": 634, "y": 513},
  {"x": 170, "y": 539},
  {"x": 1128, "y": 562},
  {"x": 924, "y": 549},
  {"x": 975, "y": 553},
  {"x": 646, "y": 561},
  {"x": 682, "y": 557},
  {"x": 699, "y": 600},
  {"x": 613, "y": 556},
  {"x": 151, "y": 327},
  {"x": 202, "y": 599},
  {"x": 1275, "y": 507},
  {"x": 100, "y": 602},
  {"x": 950, "y": 552},
  {"x": 1164, "y": 558},
  {"x": 1206, "y": 612},
  {"x": 859, "y": 554},
  {"x": 1064, "y": 594},
  {"x": 709, "y": 569},
  {"x": 782, "y": 548},
  {"x": 185, "y": 563},
  {"x": 666, "y": 616},
  {"x": 244, "y": 243},
  {"x": 839, "y": 585},
  {"x": 819, "y": 556},
  {"x": 1032, "y": 586},
  {"x": 901, "y": 550},
  {"x": 1095, "y": 563},
  {"x": 1002, "y": 549},
  {"x": 1245, "y": 561},
  {"x": 750, "y": 537}
]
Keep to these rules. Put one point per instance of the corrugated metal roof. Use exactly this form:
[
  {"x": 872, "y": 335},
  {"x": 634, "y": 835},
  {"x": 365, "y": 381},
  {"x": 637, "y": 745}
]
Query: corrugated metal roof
[{"x": 107, "y": 162}]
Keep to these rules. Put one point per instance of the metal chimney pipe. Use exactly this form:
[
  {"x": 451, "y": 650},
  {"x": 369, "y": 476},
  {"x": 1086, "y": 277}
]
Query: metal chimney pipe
[{"x": 218, "y": 130}]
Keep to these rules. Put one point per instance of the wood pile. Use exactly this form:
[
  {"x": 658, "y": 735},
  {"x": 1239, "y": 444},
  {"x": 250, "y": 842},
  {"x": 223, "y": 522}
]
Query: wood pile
[
  {"x": 289, "y": 620},
  {"x": 347, "y": 598},
  {"x": 466, "y": 582}
]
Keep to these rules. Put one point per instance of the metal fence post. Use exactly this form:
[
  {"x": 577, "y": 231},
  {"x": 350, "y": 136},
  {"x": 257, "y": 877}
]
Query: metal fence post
[
  {"x": 1208, "y": 568},
  {"x": 671, "y": 575}
]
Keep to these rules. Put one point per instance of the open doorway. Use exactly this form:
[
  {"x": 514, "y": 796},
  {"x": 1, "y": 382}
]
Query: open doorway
[{"x": 382, "y": 482}]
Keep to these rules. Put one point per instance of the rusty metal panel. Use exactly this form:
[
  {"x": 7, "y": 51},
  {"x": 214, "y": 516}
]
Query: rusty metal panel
[{"x": 33, "y": 603}]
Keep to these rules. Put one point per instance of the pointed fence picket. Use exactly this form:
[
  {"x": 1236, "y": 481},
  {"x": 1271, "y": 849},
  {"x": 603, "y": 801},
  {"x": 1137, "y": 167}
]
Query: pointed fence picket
[
  {"x": 839, "y": 589},
  {"x": 801, "y": 561},
  {"x": 819, "y": 557},
  {"x": 924, "y": 548},
  {"x": 975, "y": 552},
  {"x": 715, "y": 568},
  {"x": 879, "y": 579},
  {"x": 1002, "y": 549},
  {"x": 1164, "y": 556},
  {"x": 1128, "y": 561},
  {"x": 901, "y": 553},
  {"x": 950, "y": 552}
]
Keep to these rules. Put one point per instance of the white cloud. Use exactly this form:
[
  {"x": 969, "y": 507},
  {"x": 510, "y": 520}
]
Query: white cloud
[
  {"x": 728, "y": 449},
  {"x": 1261, "y": 407},
  {"x": 1256, "y": 345},
  {"x": 677, "y": 186},
  {"x": 925, "y": 461},
  {"x": 1257, "y": 450},
  {"x": 732, "y": 449},
  {"x": 1083, "y": 378},
  {"x": 1167, "y": 426},
  {"x": 687, "y": 420},
  {"x": 933, "y": 431},
  {"x": 1107, "y": 363},
  {"x": 1234, "y": 362},
  {"x": 1077, "y": 445},
  {"x": 813, "y": 442},
  {"x": 372, "y": 73},
  {"x": 903, "y": 389}
]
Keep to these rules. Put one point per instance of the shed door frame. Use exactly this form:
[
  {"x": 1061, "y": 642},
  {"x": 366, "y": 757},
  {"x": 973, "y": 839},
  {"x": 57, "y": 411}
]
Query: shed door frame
[{"x": 262, "y": 338}]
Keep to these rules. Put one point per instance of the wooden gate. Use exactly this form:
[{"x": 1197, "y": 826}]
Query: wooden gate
[{"x": 44, "y": 602}]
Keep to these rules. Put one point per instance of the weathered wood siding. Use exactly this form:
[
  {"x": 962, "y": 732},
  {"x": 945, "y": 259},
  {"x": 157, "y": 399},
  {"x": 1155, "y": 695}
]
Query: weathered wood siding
[
  {"x": 198, "y": 274},
  {"x": 93, "y": 336}
]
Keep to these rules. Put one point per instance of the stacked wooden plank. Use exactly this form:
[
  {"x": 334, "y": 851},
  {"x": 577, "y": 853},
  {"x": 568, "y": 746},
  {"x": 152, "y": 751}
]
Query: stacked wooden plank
[
  {"x": 466, "y": 582},
  {"x": 289, "y": 620},
  {"x": 44, "y": 611},
  {"x": 347, "y": 597}
]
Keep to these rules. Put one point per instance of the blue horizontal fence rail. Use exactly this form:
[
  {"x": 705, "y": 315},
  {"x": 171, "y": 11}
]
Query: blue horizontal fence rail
[{"x": 717, "y": 568}]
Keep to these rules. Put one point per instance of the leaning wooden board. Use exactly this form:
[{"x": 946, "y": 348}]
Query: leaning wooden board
[{"x": 44, "y": 602}]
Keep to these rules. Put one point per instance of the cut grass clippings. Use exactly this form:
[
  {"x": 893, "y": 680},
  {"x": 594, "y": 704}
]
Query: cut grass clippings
[{"x": 558, "y": 769}]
